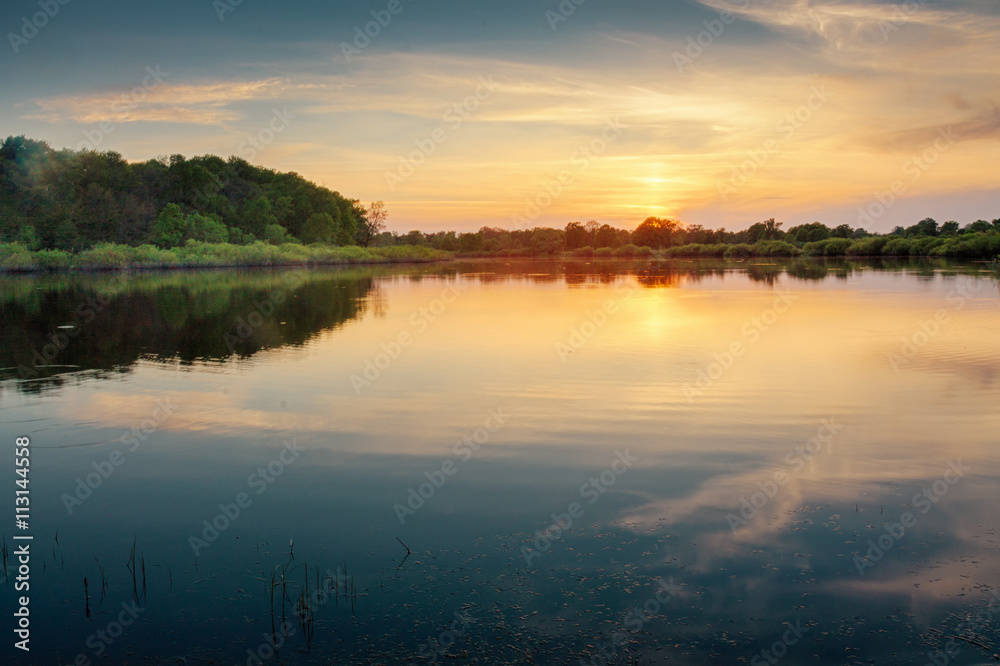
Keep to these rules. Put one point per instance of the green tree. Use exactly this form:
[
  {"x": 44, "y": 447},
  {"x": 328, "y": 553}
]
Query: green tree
[
  {"x": 766, "y": 230},
  {"x": 470, "y": 242},
  {"x": 607, "y": 236},
  {"x": 206, "y": 229},
  {"x": 809, "y": 233},
  {"x": 655, "y": 232},
  {"x": 576, "y": 236},
  {"x": 28, "y": 237},
  {"x": 547, "y": 241},
  {"x": 257, "y": 216},
  {"x": 319, "y": 228},
  {"x": 170, "y": 228},
  {"x": 275, "y": 234},
  {"x": 925, "y": 227}
]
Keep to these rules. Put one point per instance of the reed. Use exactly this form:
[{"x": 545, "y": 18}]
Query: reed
[{"x": 104, "y": 581}]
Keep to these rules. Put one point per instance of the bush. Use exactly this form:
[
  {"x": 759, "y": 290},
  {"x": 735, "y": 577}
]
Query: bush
[
  {"x": 738, "y": 251},
  {"x": 52, "y": 260},
  {"x": 970, "y": 246},
  {"x": 897, "y": 247},
  {"x": 689, "y": 250},
  {"x": 831, "y": 247},
  {"x": 583, "y": 252},
  {"x": 105, "y": 255},
  {"x": 777, "y": 249},
  {"x": 717, "y": 250},
  {"x": 868, "y": 247},
  {"x": 15, "y": 257},
  {"x": 603, "y": 252},
  {"x": 626, "y": 251},
  {"x": 207, "y": 229}
]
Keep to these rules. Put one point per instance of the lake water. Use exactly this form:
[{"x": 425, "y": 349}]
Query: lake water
[{"x": 603, "y": 462}]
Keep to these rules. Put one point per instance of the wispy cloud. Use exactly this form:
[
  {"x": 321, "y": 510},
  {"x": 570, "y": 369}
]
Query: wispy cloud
[{"x": 200, "y": 104}]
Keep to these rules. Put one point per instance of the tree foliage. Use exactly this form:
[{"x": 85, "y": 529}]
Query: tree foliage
[{"x": 76, "y": 199}]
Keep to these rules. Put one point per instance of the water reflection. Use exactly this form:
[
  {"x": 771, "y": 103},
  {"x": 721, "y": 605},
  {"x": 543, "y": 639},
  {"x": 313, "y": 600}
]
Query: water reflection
[{"x": 476, "y": 439}]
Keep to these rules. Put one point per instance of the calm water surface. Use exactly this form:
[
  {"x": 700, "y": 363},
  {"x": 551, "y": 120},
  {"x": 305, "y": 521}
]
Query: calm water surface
[{"x": 591, "y": 463}]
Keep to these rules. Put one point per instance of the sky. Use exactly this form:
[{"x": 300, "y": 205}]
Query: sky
[{"x": 463, "y": 114}]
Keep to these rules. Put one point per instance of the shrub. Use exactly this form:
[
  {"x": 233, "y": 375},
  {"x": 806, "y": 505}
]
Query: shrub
[
  {"x": 868, "y": 247},
  {"x": 689, "y": 250},
  {"x": 52, "y": 260},
  {"x": 739, "y": 250},
  {"x": 583, "y": 252},
  {"x": 717, "y": 250},
  {"x": 897, "y": 247},
  {"x": 15, "y": 257},
  {"x": 777, "y": 249},
  {"x": 603, "y": 252}
]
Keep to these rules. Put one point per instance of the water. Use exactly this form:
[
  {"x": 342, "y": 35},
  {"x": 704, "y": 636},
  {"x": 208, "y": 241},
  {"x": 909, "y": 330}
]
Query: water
[{"x": 683, "y": 463}]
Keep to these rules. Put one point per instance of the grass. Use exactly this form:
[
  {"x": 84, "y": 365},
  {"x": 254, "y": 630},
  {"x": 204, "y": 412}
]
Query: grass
[{"x": 15, "y": 257}]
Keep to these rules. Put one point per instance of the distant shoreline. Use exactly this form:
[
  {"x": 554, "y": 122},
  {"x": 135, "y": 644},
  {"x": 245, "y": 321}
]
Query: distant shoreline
[{"x": 15, "y": 258}]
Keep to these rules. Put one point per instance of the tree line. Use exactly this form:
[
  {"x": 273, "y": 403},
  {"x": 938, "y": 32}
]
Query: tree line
[
  {"x": 73, "y": 200},
  {"x": 673, "y": 238}
]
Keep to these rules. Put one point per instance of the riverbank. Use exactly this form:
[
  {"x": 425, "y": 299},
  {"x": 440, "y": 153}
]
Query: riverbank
[
  {"x": 16, "y": 258},
  {"x": 976, "y": 246}
]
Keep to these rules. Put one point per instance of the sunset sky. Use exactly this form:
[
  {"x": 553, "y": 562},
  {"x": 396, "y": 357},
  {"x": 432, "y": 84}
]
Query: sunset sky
[{"x": 640, "y": 108}]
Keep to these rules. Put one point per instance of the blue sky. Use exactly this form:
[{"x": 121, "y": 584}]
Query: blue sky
[{"x": 730, "y": 111}]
